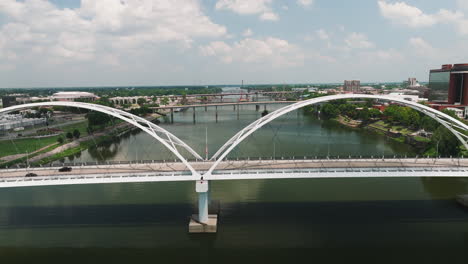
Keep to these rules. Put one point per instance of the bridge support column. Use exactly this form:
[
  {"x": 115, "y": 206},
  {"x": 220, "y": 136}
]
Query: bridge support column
[
  {"x": 203, "y": 222},
  {"x": 257, "y": 107},
  {"x": 238, "y": 112},
  {"x": 194, "y": 115},
  {"x": 172, "y": 115},
  {"x": 216, "y": 113}
]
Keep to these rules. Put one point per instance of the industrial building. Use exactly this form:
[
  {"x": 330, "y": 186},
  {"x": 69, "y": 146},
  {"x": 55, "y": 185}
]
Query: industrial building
[{"x": 8, "y": 122}]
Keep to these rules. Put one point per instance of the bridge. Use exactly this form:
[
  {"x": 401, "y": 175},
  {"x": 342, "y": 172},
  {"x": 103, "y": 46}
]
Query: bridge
[
  {"x": 219, "y": 168},
  {"x": 124, "y": 100},
  {"x": 235, "y": 105}
]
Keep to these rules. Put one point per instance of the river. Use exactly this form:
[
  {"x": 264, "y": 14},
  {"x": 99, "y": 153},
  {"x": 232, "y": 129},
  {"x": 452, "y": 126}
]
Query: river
[{"x": 260, "y": 221}]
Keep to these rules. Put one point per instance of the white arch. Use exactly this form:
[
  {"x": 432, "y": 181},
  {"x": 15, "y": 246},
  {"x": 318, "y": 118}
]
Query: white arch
[
  {"x": 166, "y": 138},
  {"x": 449, "y": 122}
]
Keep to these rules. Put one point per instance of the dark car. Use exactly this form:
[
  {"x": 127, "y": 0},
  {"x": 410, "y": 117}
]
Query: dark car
[
  {"x": 31, "y": 174},
  {"x": 65, "y": 169}
]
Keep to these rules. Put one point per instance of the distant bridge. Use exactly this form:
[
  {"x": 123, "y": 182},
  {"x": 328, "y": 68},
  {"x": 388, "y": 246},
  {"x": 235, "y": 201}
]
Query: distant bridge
[
  {"x": 235, "y": 105},
  {"x": 127, "y": 99}
]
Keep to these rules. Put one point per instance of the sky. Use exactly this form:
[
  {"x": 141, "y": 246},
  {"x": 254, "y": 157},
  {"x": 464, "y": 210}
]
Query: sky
[{"x": 57, "y": 43}]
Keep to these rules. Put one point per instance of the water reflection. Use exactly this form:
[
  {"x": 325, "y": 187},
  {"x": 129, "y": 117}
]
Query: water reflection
[{"x": 445, "y": 188}]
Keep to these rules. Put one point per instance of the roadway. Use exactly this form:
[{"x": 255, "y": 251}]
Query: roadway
[{"x": 150, "y": 167}]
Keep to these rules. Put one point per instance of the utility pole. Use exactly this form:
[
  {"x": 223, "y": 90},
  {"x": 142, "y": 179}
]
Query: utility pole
[{"x": 206, "y": 143}]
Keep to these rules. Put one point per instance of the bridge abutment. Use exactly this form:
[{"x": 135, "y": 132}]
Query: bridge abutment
[{"x": 203, "y": 222}]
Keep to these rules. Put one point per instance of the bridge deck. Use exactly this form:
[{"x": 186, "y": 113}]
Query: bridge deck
[{"x": 232, "y": 170}]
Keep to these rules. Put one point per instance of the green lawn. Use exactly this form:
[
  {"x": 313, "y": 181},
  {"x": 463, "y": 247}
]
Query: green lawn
[{"x": 18, "y": 146}]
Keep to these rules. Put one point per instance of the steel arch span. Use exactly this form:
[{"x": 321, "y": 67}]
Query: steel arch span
[
  {"x": 165, "y": 137},
  {"x": 449, "y": 122}
]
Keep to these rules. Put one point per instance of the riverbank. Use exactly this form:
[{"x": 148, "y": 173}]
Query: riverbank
[
  {"x": 77, "y": 146},
  {"x": 396, "y": 133}
]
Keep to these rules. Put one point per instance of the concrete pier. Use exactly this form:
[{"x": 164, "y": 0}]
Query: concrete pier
[
  {"x": 196, "y": 227},
  {"x": 216, "y": 110},
  {"x": 172, "y": 115},
  {"x": 203, "y": 222},
  {"x": 194, "y": 115}
]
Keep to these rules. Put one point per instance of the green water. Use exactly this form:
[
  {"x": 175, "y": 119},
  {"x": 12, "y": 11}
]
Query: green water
[{"x": 260, "y": 221}]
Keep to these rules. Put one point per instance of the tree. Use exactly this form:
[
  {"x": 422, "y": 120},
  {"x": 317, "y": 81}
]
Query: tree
[
  {"x": 69, "y": 135},
  {"x": 141, "y": 101},
  {"x": 165, "y": 100},
  {"x": 445, "y": 142},
  {"x": 60, "y": 140},
  {"x": 76, "y": 133},
  {"x": 98, "y": 118},
  {"x": 330, "y": 110}
]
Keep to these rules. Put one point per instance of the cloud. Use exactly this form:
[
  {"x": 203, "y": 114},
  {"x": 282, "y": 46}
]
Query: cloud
[
  {"x": 249, "y": 7},
  {"x": 402, "y": 13},
  {"x": 305, "y": 2},
  {"x": 411, "y": 16},
  {"x": 97, "y": 27},
  {"x": 421, "y": 46},
  {"x": 247, "y": 33},
  {"x": 322, "y": 34},
  {"x": 271, "y": 52},
  {"x": 462, "y": 4},
  {"x": 358, "y": 41}
]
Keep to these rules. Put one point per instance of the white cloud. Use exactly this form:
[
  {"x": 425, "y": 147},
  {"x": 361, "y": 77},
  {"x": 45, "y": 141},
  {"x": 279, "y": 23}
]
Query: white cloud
[
  {"x": 305, "y": 2},
  {"x": 322, "y": 34},
  {"x": 402, "y": 13},
  {"x": 272, "y": 52},
  {"x": 269, "y": 16},
  {"x": 96, "y": 26},
  {"x": 249, "y": 7},
  {"x": 247, "y": 33},
  {"x": 358, "y": 41},
  {"x": 379, "y": 56},
  {"x": 463, "y": 4},
  {"x": 421, "y": 46}
]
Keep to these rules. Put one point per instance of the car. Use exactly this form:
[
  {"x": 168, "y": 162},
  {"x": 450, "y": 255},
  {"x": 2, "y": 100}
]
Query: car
[
  {"x": 31, "y": 174},
  {"x": 65, "y": 169}
]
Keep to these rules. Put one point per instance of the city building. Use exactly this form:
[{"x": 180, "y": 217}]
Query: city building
[
  {"x": 14, "y": 121},
  {"x": 448, "y": 84},
  {"x": 73, "y": 96},
  {"x": 15, "y": 99},
  {"x": 460, "y": 113},
  {"x": 413, "y": 82},
  {"x": 8, "y": 101},
  {"x": 352, "y": 86}
]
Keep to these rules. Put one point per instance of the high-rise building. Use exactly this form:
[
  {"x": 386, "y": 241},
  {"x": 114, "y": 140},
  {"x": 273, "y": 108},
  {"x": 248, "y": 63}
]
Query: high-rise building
[
  {"x": 8, "y": 101},
  {"x": 449, "y": 84},
  {"x": 353, "y": 86},
  {"x": 412, "y": 82}
]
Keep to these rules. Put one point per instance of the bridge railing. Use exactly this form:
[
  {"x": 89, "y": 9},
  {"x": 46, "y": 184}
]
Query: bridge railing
[{"x": 231, "y": 159}]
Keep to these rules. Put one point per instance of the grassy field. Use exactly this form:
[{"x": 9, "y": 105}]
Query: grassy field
[{"x": 19, "y": 146}]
